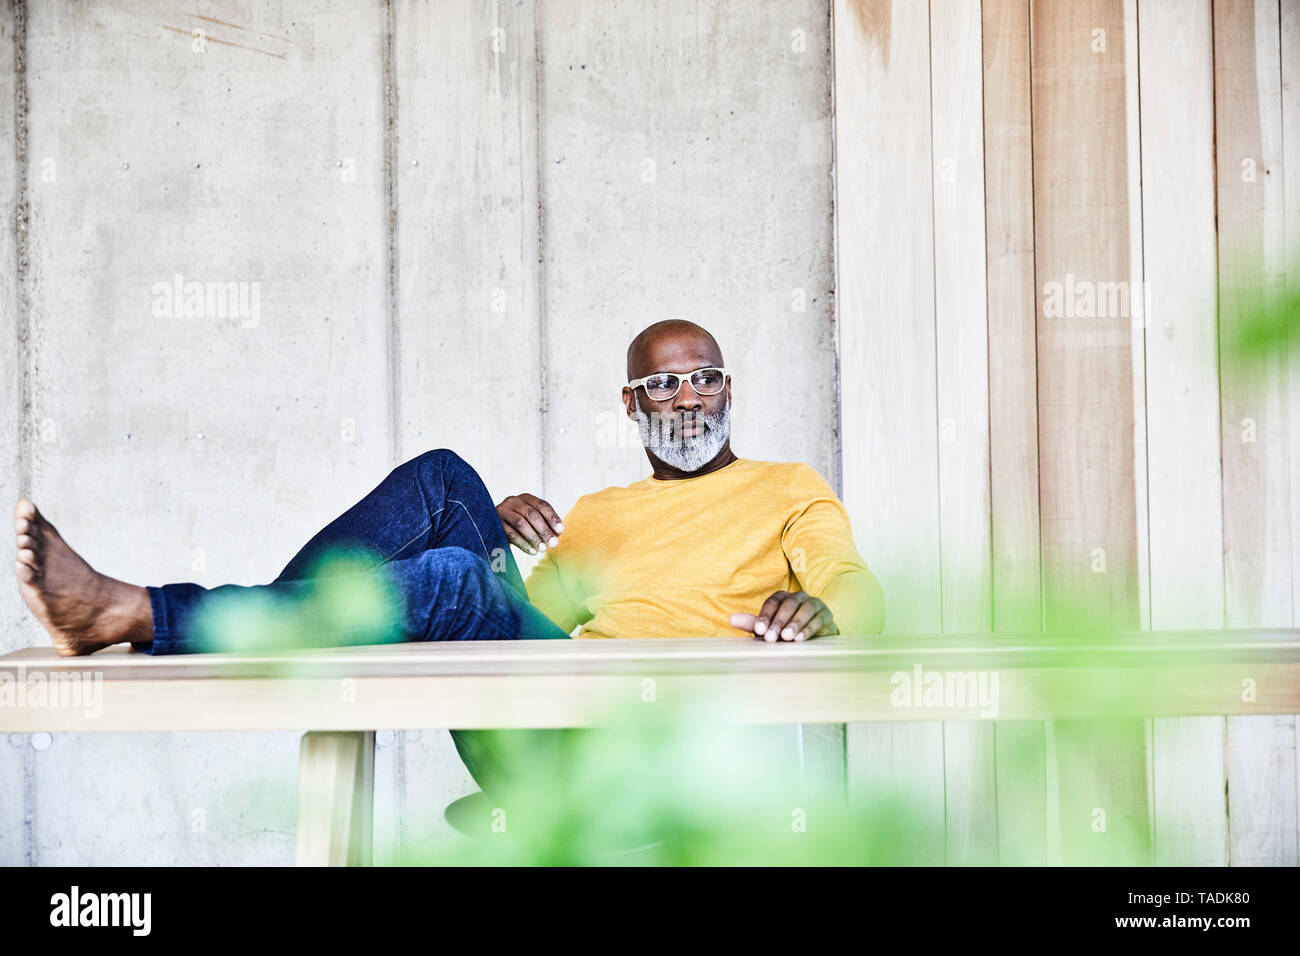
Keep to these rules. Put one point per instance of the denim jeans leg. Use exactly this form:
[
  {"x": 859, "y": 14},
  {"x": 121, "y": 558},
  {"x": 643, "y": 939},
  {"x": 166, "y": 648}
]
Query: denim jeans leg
[
  {"x": 434, "y": 502},
  {"x": 446, "y": 594}
]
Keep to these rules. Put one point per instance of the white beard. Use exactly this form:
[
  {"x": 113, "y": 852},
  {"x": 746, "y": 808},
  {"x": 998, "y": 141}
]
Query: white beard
[{"x": 685, "y": 453}]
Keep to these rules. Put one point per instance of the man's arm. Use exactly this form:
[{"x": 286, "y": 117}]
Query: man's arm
[
  {"x": 532, "y": 524},
  {"x": 840, "y": 594},
  {"x": 547, "y": 593},
  {"x": 818, "y": 542}
]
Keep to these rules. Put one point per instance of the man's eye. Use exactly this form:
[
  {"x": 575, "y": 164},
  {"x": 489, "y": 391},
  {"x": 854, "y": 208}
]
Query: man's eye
[
  {"x": 707, "y": 379},
  {"x": 659, "y": 382}
]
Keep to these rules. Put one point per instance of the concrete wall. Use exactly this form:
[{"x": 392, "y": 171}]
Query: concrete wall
[{"x": 454, "y": 215}]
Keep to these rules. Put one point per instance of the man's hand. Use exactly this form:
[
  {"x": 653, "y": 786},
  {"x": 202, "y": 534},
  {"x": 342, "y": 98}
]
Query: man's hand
[
  {"x": 788, "y": 616},
  {"x": 530, "y": 523}
]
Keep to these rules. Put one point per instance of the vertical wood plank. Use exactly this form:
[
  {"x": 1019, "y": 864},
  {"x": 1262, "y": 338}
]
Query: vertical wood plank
[
  {"x": 970, "y": 793},
  {"x": 961, "y": 309},
  {"x": 1257, "y": 486},
  {"x": 888, "y": 408},
  {"x": 1013, "y": 406},
  {"x": 1136, "y": 312},
  {"x": 1181, "y": 343},
  {"x": 1290, "y": 30},
  {"x": 1086, "y": 413},
  {"x": 962, "y": 377},
  {"x": 886, "y": 281},
  {"x": 1182, "y": 405},
  {"x": 1261, "y": 758},
  {"x": 1081, "y": 242}
]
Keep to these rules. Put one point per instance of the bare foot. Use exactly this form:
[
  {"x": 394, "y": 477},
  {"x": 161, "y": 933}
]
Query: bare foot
[{"x": 83, "y": 610}]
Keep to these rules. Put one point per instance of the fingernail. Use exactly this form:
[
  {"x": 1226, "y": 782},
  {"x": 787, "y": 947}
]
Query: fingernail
[
  {"x": 542, "y": 546},
  {"x": 559, "y": 526},
  {"x": 554, "y": 542},
  {"x": 801, "y": 636},
  {"x": 760, "y": 627},
  {"x": 788, "y": 633},
  {"x": 770, "y": 638}
]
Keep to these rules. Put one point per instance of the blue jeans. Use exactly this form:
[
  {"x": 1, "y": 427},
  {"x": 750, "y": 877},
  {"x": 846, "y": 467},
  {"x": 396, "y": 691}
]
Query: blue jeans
[{"x": 431, "y": 532}]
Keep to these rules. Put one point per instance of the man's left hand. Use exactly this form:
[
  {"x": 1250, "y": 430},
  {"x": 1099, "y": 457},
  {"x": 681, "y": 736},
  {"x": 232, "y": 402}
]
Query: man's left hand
[{"x": 788, "y": 616}]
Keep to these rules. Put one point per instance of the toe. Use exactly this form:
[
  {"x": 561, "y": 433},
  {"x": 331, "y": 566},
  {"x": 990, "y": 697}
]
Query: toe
[
  {"x": 26, "y": 541},
  {"x": 25, "y": 574},
  {"x": 25, "y": 509},
  {"x": 22, "y": 525},
  {"x": 28, "y": 557}
]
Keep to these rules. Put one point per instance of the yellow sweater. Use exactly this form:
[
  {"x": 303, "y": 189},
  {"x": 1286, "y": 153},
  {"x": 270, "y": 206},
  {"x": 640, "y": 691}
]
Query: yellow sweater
[{"x": 678, "y": 558}]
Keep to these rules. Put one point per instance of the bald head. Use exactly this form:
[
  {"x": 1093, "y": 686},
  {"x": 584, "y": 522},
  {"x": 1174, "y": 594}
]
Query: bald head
[{"x": 671, "y": 337}]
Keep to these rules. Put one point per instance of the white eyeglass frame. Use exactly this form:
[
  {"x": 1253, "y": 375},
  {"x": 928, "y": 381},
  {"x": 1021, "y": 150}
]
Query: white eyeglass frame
[{"x": 682, "y": 378}]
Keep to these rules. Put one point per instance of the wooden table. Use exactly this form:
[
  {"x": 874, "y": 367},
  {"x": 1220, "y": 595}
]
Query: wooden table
[{"x": 342, "y": 696}]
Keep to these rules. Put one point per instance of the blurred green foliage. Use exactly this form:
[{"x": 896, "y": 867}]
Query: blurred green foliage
[
  {"x": 698, "y": 793},
  {"x": 1259, "y": 317},
  {"x": 343, "y": 601},
  {"x": 694, "y": 789}
]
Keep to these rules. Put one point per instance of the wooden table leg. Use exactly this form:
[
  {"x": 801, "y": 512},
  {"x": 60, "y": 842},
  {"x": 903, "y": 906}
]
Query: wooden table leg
[{"x": 336, "y": 792}]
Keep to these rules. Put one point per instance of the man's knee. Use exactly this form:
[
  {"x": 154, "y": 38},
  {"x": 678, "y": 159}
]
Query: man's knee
[
  {"x": 433, "y": 458},
  {"x": 458, "y": 580},
  {"x": 444, "y": 466},
  {"x": 471, "y": 572},
  {"x": 440, "y": 458}
]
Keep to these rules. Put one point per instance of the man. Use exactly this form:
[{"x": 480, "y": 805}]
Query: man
[{"x": 710, "y": 544}]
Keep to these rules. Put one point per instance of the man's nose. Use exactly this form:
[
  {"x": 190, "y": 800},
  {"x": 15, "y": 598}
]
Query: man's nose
[{"x": 688, "y": 400}]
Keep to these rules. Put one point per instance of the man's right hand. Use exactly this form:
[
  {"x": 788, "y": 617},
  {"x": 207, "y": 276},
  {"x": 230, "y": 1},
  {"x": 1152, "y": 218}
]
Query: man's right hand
[{"x": 530, "y": 523}]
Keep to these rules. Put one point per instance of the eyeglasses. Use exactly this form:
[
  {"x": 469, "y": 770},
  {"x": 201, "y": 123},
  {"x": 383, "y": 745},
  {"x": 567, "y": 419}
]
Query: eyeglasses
[{"x": 664, "y": 386}]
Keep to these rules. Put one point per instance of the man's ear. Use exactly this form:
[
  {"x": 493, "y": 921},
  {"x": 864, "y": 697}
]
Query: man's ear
[{"x": 627, "y": 402}]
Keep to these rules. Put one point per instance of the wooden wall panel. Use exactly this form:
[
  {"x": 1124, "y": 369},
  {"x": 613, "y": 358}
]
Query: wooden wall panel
[
  {"x": 1085, "y": 389},
  {"x": 1257, "y": 484},
  {"x": 888, "y": 409},
  {"x": 1289, "y": 17},
  {"x": 1013, "y": 406},
  {"x": 1084, "y": 364},
  {"x": 1100, "y": 124},
  {"x": 962, "y": 379},
  {"x": 1182, "y": 408}
]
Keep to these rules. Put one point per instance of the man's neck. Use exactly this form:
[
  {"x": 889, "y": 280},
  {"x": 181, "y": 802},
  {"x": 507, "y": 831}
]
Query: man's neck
[{"x": 665, "y": 472}]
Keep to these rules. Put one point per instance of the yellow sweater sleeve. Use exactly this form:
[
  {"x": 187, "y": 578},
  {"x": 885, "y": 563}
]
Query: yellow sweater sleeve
[
  {"x": 818, "y": 543},
  {"x": 546, "y": 592}
]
